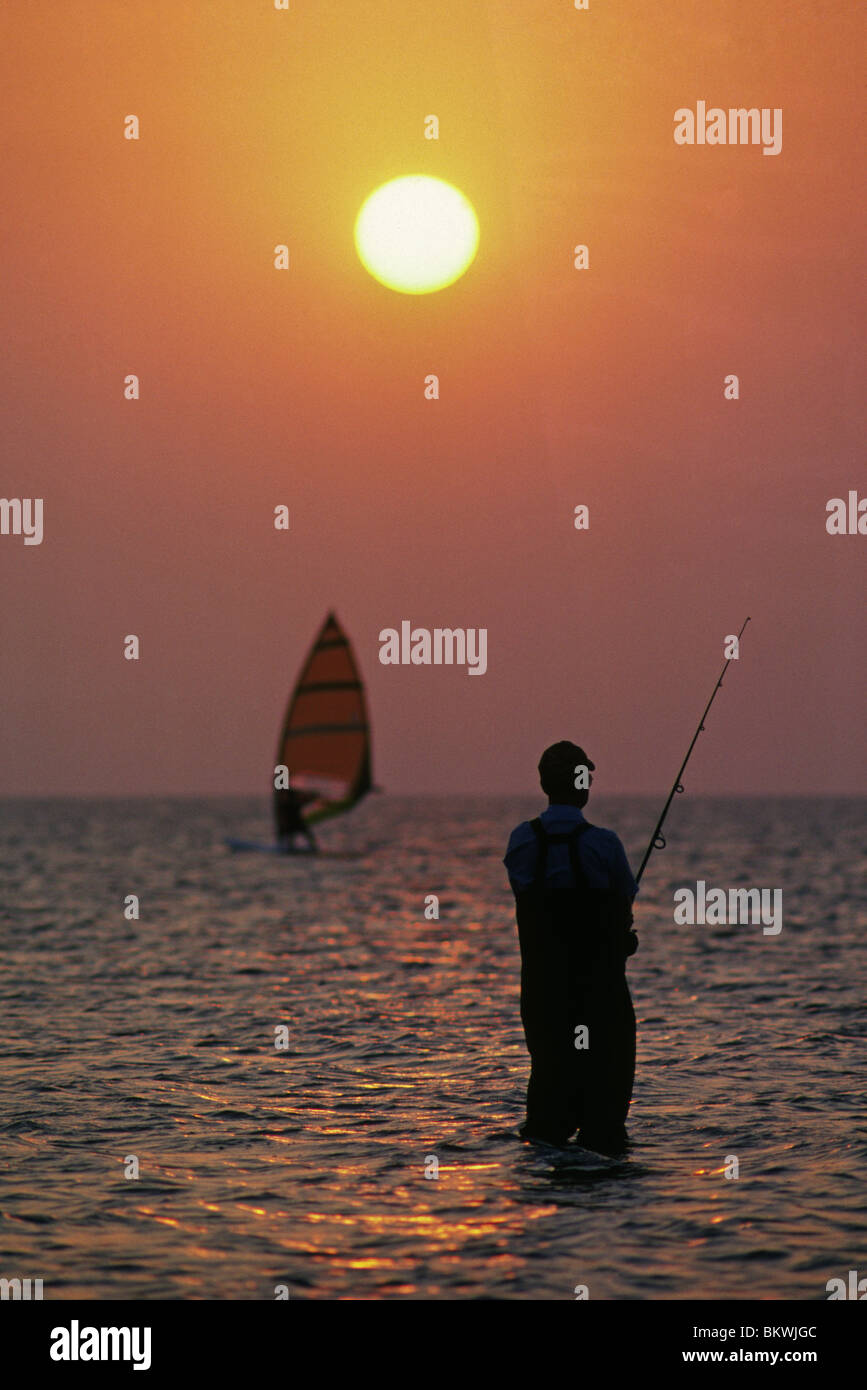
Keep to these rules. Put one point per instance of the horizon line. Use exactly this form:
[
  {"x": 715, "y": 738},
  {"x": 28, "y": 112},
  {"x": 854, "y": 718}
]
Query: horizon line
[{"x": 432, "y": 796}]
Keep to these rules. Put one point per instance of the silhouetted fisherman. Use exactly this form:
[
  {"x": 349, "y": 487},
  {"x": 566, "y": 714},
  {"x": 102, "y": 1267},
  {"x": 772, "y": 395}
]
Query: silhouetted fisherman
[
  {"x": 573, "y": 892},
  {"x": 288, "y": 802}
]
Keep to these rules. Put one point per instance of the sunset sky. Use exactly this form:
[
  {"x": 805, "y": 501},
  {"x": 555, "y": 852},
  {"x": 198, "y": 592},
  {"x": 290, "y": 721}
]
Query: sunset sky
[{"x": 557, "y": 387}]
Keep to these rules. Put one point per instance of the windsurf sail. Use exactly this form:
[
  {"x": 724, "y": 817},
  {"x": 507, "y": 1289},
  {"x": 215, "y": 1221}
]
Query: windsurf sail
[{"x": 325, "y": 739}]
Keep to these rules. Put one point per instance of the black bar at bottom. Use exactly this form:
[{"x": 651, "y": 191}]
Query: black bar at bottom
[{"x": 478, "y": 1338}]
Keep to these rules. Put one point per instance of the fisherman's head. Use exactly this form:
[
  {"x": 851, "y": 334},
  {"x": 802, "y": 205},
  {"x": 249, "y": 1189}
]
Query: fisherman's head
[{"x": 560, "y": 767}]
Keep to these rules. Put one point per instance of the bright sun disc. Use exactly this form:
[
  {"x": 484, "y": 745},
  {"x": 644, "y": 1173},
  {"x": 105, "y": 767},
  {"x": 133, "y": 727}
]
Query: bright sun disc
[{"x": 416, "y": 234}]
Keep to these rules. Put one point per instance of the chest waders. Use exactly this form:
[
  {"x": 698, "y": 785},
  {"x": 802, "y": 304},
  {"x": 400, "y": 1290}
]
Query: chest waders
[{"x": 573, "y": 950}]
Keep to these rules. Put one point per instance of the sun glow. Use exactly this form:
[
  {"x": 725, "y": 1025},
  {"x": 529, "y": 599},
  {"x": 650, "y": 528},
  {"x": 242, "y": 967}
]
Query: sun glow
[{"x": 416, "y": 234}]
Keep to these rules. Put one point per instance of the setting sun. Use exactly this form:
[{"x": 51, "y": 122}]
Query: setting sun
[{"x": 416, "y": 234}]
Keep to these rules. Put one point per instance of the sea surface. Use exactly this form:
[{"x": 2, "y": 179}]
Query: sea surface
[{"x": 304, "y": 1165}]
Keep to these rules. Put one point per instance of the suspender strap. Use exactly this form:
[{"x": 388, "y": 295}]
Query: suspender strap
[
  {"x": 571, "y": 839},
  {"x": 541, "y": 847}
]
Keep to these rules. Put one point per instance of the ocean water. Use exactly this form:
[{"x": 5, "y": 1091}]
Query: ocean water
[{"x": 306, "y": 1166}]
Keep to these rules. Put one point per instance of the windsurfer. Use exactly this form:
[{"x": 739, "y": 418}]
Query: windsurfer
[{"x": 288, "y": 804}]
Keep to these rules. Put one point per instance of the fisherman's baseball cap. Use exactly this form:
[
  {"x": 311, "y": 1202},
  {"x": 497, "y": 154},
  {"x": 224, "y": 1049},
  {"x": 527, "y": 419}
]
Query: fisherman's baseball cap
[{"x": 562, "y": 759}]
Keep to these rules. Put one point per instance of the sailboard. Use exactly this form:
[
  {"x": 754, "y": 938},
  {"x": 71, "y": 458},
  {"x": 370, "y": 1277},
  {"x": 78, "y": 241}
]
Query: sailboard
[
  {"x": 257, "y": 847},
  {"x": 324, "y": 740}
]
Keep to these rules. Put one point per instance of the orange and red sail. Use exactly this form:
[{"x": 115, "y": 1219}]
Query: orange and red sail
[{"x": 325, "y": 739}]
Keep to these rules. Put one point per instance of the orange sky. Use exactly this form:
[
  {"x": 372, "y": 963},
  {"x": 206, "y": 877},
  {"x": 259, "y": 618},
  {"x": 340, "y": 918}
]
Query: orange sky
[{"x": 558, "y": 387}]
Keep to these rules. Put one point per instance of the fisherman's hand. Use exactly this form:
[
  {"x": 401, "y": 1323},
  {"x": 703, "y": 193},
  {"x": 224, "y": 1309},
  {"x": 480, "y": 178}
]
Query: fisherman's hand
[{"x": 631, "y": 943}]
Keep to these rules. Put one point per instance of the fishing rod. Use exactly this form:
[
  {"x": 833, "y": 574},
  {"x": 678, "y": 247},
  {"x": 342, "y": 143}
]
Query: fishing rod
[{"x": 657, "y": 839}]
